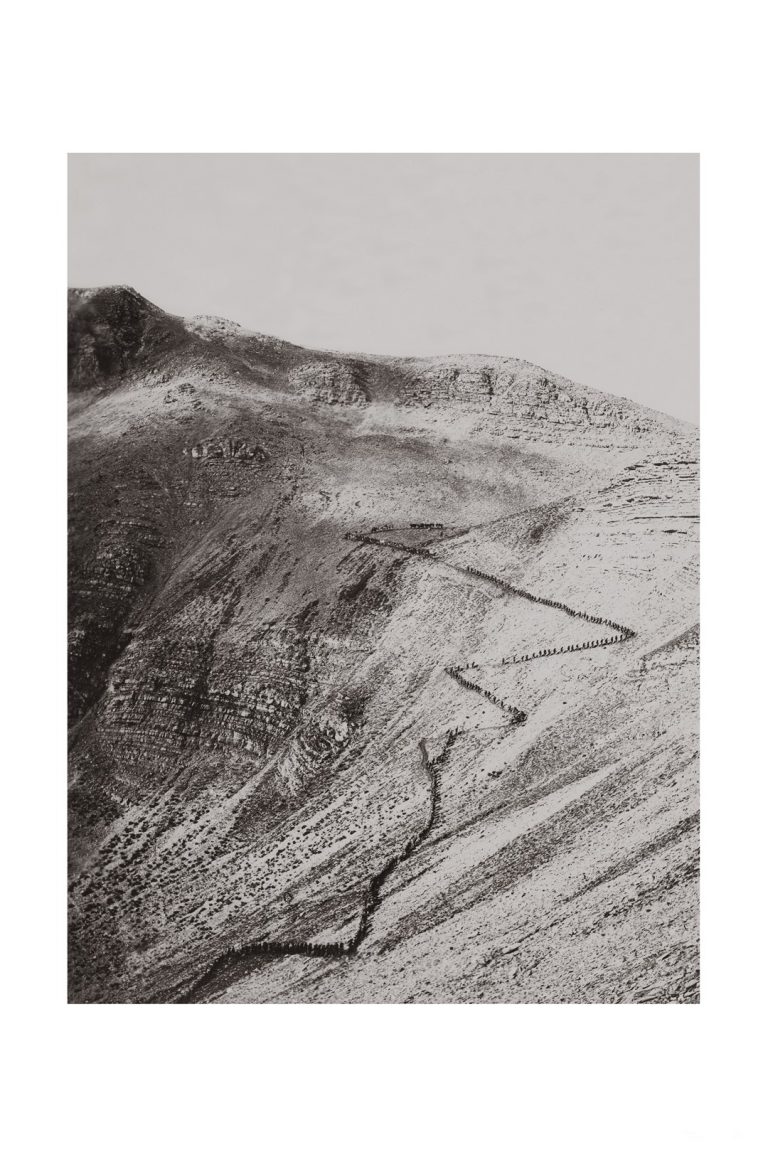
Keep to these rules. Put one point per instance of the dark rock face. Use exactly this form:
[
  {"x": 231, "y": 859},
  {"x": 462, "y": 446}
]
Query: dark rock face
[
  {"x": 109, "y": 329},
  {"x": 270, "y": 568}
]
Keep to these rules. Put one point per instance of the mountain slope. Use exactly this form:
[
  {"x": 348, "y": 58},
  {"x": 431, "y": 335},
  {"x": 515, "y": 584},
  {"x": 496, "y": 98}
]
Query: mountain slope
[{"x": 253, "y": 667}]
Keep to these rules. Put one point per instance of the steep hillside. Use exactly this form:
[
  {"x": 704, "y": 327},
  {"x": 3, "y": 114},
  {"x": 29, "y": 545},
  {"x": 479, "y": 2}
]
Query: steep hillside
[{"x": 383, "y": 675}]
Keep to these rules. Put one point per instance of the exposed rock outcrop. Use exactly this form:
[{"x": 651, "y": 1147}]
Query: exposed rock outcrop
[
  {"x": 329, "y": 381},
  {"x": 522, "y": 392},
  {"x": 110, "y": 329},
  {"x": 225, "y": 448}
]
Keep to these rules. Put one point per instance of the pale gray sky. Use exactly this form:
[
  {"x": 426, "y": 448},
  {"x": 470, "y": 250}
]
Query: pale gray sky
[{"x": 585, "y": 264}]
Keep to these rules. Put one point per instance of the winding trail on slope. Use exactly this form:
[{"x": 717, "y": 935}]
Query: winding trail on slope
[
  {"x": 619, "y": 632},
  {"x": 275, "y": 949},
  {"x": 372, "y": 898}
]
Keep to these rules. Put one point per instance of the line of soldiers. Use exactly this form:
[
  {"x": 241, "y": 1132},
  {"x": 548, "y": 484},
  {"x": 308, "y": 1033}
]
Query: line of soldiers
[
  {"x": 558, "y": 651},
  {"x": 372, "y": 893},
  {"x": 627, "y": 633},
  {"x": 374, "y": 885},
  {"x": 403, "y": 528},
  {"x": 288, "y": 948},
  {"x": 518, "y": 716},
  {"x": 344, "y": 947},
  {"x": 364, "y": 538},
  {"x": 549, "y": 603}
]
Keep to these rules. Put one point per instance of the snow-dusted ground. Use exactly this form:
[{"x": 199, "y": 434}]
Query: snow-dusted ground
[{"x": 246, "y": 757}]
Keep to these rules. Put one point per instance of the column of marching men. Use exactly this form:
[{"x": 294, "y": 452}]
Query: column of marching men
[
  {"x": 285, "y": 948},
  {"x": 346, "y": 947},
  {"x": 516, "y": 714},
  {"x": 374, "y": 886},
  {"x": 624, "y": 632}
]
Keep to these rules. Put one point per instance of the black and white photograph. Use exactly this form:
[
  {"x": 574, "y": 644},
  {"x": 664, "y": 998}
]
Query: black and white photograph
[
  {"x": 383, "y": 636},
  {"x": 384, "y": 483}
]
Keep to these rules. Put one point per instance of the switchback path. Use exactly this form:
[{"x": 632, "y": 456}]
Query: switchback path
[
  {"x": 619, "y": 632},
  {"x": 274, "y": 949}
]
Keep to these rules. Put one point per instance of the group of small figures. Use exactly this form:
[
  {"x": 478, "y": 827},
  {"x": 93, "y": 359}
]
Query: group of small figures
[
  {"x": 548, "y": 602},
  {"x": 403, "y": 528},
  {"x": 558, "y": 651},
  {"x": 452, "y": 734},
  {"x": 363, "y": 538},
  {"x": 626, "y": 633},
  {"x": 517, "y": 715},
  {"x": 290, "y": 948}
]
